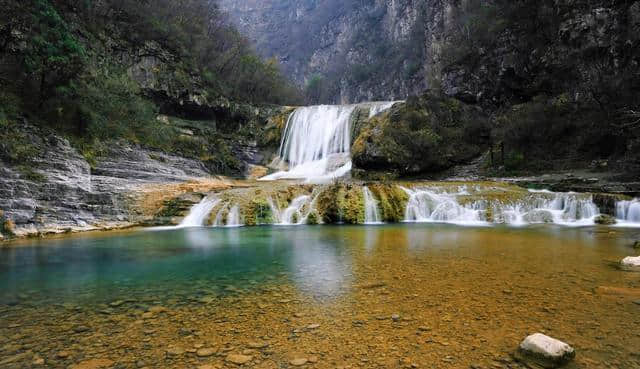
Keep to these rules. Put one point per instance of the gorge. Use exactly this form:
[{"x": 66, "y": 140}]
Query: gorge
[{"x": 274, "y": 184}]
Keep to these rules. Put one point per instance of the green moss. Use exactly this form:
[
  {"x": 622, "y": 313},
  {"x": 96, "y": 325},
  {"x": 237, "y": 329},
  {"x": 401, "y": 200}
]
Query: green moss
[
  {"x": 393, "y": 201},
  {"x": 351, "y": 203},
  {"x": 313, "y": 218}
]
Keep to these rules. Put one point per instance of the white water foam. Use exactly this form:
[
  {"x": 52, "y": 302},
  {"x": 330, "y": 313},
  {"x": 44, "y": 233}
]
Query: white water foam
[
  {"x": 433, "y": 206},
  {"x": 199, "y": 212},
  {"x": 297, "y": 213},
  {"x": 628, "y": 213},
  {"x": 316, "y": 142},
  {"x": 232, "y": 219},
  {"x": 371, "y": 212}
]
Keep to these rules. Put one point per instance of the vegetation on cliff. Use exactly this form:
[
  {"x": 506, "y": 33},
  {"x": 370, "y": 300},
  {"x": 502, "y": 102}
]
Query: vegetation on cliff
[
  {"x": 561, "y": 79},
  {"x": 97, "y": 71},
  {"x": 427, "y": 134}
]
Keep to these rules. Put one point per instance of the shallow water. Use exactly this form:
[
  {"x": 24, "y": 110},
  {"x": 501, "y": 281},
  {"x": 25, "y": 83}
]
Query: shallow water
[{"x": 464, "y": 296}]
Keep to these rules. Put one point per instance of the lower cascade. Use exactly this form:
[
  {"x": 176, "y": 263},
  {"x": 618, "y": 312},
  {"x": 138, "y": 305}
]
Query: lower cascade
[
  {"x": 371, "y": 212},
  {"x": 459, "y": 203},
  {"x": 316, "y": 142},
  {"x": 461, "y": 207},
  {"x": 198, "y": 214},
  {"x": 628, "y": 211},
  {"x": 295, "y": 214},
  {"x": 228, "y": 217}
]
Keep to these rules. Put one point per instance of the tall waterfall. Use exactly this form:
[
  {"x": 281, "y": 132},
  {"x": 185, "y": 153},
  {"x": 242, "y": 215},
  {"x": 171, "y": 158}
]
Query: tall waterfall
[
  {"x": 371, "y": 212},
  {"x": 199, "y": 212},
  {"x": 316, "y": 142}
]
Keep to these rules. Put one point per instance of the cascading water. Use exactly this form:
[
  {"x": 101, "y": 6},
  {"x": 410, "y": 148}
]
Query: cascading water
[
  {"x": 296, "y": 213},
  {"x": 378, "y": 108},
  {"x": 371, "y": 213},
  {"x": 426, "y": 205},
  {"x": 199, "y": 212},
  {"x": 628, "y": 212},
  {"x": 431, "y": 205},
  {"x": 232, "y": 218},
  {"x": 316, "y": 142}
]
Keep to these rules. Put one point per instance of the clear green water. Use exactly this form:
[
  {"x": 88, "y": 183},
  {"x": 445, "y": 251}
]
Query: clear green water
[
  {"x": 466, "y": 296},
  {"x": 201, "y": 261},
  {"x": 169, "y": 262}
]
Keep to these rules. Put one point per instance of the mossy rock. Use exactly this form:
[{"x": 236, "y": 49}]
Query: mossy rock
[
  {"x": 604, "y": 219},
  {"x": 392, "y": 201},
  {"x": 425, "y": 135},
  {"x": 341, "y": 203}
]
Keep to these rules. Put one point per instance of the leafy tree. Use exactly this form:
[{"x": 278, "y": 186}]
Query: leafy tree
[{"x": 53, "y": 53}]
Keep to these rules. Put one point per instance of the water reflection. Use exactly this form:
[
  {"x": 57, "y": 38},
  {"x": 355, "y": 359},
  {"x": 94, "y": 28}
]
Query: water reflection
[
  {"x": 320, "y": 267},
  {"x": 317, "y": 261}
]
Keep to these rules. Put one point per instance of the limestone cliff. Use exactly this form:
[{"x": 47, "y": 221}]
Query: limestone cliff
[{"x": 372, "y": 50}]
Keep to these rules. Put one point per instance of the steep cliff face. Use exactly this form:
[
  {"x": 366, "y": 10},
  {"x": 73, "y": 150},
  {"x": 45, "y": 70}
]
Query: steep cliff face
[{"x": 373, "y": 50}]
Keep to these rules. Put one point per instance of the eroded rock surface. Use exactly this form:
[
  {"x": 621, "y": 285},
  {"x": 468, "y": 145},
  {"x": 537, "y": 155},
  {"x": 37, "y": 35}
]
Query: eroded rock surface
[{"x": 62, "y": 193}]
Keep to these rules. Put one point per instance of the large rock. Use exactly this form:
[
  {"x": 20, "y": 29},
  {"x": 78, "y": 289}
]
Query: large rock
[
  {"x": 67, "y": 195},
  {"x": 545, "y": 351},
  {"x": 425, "y": 135},
  {"x": 631, "y": 262}
]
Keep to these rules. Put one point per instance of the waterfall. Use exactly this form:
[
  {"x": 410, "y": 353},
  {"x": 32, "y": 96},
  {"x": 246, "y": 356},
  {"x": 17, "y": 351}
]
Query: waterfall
[
  {"x": 428, "y": 206},
  {"x": 296, "y": 213},
  {"x": 199, "y": 212},
  {"x": 628, "y": 211},
  {"x": 380, "y": 107},
  {"x": 232, "y": 218},
  {"x": 371, "y": 213},
  {"x": 437, "y": 206},
  {"x": 316, "y": 142}
]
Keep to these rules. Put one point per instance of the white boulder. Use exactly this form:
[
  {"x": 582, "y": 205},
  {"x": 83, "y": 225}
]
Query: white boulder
[
  {"x": 631, "y": 262},
  {"x": 545, "y": 351}
]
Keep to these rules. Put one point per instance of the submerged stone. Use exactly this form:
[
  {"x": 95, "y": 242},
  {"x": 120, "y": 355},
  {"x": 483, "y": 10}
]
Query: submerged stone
[
  {"x": 298, "y": 361},
  {"x": 204, "y": 352},
  {"x": 239, "y": 359},
  {"x": 93, "y": 364},
  {"x": 545, "y": 351}
]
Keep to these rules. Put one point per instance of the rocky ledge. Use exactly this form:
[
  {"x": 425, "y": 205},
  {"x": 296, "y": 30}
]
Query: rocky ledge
[{"x": 60, "y": 192}]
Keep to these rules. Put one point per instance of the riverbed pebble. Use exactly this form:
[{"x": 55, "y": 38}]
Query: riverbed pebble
[
  {"x": 545, "y": 351},
  {"x": 205, "y": 352},
  {"x": 238, "y": 359},
  {"x": 299, "y": 361}
]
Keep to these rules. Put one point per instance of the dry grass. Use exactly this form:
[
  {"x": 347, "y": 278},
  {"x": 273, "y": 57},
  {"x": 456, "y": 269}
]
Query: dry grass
[{"x": 153, "y": 196}]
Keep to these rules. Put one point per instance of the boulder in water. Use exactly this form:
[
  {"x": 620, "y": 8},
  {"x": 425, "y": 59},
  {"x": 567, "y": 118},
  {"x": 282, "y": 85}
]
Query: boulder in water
[
  {"x": 604, "y": 219},
  {"x": 544, "y": 351},
  {"x": 631, "y": 262}
]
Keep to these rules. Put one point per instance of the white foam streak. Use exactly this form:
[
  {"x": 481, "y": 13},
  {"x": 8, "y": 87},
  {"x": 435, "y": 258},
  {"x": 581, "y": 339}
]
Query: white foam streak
[
  {"x": 371, "y": 212},
  {"x": 316, "y": 142},
  {"x": 433, "y": 206},
  {"x": 199, "y": 212}
]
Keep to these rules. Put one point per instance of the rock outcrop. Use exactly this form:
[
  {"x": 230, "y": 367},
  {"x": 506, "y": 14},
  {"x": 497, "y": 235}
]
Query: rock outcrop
[
  {"x": 360, "y": 43},
  {"x": 427, "y": 134},
  {"x": 62, "y": 193}
]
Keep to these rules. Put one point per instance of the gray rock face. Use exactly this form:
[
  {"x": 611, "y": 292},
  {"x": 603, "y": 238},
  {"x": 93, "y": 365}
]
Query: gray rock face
[
  {"x": 545, "y": 351},
  {"x": 321, "y": 37},
  {"x": 69, "y": 196}
]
